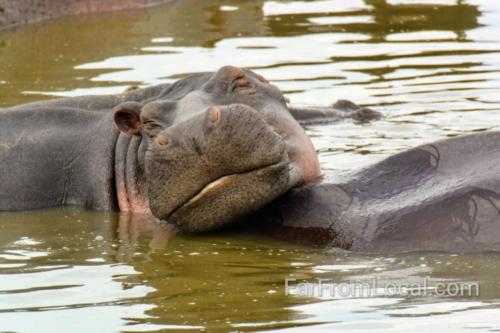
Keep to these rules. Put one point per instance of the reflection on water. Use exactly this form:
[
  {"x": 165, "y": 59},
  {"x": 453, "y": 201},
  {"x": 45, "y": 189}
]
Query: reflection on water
[
  {"x": 431, "y": 66},
  {"x": 60, "y": 267}
]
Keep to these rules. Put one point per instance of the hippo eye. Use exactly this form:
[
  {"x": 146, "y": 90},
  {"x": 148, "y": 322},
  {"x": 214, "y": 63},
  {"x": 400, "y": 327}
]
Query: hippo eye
[{"x": 152, "y": 128}]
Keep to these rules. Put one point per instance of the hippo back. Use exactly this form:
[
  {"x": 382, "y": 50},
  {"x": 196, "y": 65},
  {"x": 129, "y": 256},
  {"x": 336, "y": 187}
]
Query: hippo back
[{"x": 443, "y": 196}]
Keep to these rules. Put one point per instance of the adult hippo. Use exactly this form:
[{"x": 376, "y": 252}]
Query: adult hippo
[
  {"x": 443, "y": 196},
  {"x": 199, "y": 153}
]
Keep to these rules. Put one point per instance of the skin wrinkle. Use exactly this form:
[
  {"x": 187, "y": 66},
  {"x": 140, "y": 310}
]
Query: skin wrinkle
[
  {"x": 135, "y": 178},
  {"x": 122, "y": 145},
  {"x": 130, "y": 183},
  {"x": 131, "y": 172}
]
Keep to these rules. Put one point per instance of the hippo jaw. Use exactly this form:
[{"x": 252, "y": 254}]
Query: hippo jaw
[{"x": 231, "y": 197}]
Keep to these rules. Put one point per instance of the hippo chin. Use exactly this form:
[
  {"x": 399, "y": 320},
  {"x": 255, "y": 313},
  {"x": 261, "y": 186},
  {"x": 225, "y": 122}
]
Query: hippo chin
[{"x": 200, "y": 153}]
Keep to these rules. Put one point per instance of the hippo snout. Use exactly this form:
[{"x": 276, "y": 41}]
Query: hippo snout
[{"x": 216, "y": 167}]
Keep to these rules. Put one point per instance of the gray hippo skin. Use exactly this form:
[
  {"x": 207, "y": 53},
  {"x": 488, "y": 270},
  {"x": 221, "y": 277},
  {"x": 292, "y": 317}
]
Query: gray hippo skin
[
  {"x": 200, "y": 153},
  {"x": 17, "y": 12},
  {"x": 443, "y": 196}
]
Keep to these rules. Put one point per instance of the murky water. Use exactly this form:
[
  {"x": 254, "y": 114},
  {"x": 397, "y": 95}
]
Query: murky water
[{"x": 431, "y": 66}]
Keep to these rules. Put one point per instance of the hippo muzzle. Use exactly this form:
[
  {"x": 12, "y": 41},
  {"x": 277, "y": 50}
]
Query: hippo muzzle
[{"x": 220, "y": 166}]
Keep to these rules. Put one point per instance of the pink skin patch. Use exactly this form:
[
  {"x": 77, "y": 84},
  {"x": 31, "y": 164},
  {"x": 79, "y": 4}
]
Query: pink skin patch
[
  {"x": 305, "y": 157},
  {"x": 305, "y": 164},
  {"x": 121, "y": 194},
  {"x": 214, "y": 114},
  {"x": 131, "y": 203},
  {"x": 161, "y": 141}
]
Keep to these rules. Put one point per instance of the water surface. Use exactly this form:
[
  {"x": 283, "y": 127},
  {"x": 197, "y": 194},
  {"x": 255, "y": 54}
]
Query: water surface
[{"x": 430, "y": 66}]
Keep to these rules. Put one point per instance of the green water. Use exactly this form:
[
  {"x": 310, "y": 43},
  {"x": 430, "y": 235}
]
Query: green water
[{"x": 430, "y": 66}]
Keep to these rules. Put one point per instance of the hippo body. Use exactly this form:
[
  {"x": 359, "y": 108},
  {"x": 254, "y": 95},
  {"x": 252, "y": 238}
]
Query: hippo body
[
  {"x": 443, "y": 196},
  {"x": 64, "y": 152},
  {"x": 200, "y": 153},
  {"x": 48, "y": 160},
  {"x": 18, "y": 12}
]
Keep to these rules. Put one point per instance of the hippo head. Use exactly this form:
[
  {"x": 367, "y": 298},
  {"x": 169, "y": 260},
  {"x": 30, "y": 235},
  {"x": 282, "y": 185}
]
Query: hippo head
[{"x": 220, "y": 147}]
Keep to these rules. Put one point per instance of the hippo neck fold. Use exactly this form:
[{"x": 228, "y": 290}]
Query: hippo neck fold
[{"x": 130, "y": 182}]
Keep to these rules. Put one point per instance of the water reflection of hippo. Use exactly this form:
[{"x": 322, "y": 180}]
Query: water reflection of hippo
[{"x": 214, "y": 147}]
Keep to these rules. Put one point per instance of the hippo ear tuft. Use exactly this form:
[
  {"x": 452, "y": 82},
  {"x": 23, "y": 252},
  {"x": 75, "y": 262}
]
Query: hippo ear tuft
[{"x": 127, "y": 118}]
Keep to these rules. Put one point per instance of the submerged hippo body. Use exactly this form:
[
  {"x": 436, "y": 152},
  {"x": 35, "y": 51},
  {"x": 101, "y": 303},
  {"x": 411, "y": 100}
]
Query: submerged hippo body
[
  {"x": 443, "y": 196},
  {"x": 200, "y": 153}
]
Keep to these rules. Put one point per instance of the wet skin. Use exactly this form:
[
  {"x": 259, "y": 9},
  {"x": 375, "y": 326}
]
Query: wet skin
[
  {"x": 216, "y": 147},
  {"x": 14, "y": 13},
  {"x": 443, "y": 196},
  {"x": 200, "y": 153}
]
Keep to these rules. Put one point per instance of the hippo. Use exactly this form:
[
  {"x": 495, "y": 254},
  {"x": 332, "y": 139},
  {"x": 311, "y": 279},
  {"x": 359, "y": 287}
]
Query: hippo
[
  {"x": 15, "y": 13},
  {"x": 443, "y": 196},
  {"x": 200, "y": 153},
  {"x": 217, "y": 148}
]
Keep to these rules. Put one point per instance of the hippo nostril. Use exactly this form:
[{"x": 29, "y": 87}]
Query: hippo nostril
[
  {"x": 162, "y": 141},
  {"x": 242, "y": 84},
  {"x": 233, "y": 73},
  {"x": 214, "y": 114}
]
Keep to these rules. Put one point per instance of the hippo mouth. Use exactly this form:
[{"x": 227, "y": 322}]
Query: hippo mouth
[{"x": 232, "y": 196}]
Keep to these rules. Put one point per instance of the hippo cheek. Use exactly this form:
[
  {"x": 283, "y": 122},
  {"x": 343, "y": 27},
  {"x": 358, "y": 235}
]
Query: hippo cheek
[{"x": 232, "y": 197}]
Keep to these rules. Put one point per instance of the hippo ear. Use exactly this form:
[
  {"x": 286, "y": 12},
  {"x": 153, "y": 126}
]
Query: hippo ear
[{"x": 127, "y": 118}]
